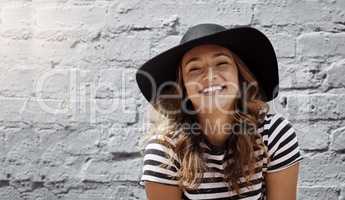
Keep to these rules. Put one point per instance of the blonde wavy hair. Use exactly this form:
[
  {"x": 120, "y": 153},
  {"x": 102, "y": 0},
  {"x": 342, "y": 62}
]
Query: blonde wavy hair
[{"x": 243, "y": 145}]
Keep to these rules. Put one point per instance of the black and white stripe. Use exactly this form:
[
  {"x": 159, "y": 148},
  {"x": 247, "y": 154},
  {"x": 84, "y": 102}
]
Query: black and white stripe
[{"x": 278, "y": 135}]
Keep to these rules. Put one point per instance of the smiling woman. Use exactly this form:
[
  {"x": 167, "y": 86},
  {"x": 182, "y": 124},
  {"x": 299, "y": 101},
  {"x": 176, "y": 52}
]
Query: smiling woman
[
  {"x": 215, "y": 67},
  {"x": 189, "y": 152}
]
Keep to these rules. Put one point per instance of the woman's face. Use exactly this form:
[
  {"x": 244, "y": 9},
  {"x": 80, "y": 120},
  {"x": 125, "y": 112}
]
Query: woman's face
[{"x": 210, "y": 65}]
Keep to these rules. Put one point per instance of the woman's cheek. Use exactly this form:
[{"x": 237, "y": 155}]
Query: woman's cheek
[{"x": 192, "y": 92}]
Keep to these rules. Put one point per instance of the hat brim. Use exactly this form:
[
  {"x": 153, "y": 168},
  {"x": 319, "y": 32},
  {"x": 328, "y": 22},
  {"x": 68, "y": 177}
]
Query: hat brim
[{"x": 251, "y": 45}]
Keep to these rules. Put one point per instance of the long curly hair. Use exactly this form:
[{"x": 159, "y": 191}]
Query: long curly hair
[{"x": 243, "y": 150}]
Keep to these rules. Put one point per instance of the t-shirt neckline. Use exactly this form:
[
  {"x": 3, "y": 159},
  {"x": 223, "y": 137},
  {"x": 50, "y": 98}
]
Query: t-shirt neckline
[{"x": 213, "y": 148}]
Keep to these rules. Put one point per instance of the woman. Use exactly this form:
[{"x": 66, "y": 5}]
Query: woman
[{"x": 217, "y": 78}]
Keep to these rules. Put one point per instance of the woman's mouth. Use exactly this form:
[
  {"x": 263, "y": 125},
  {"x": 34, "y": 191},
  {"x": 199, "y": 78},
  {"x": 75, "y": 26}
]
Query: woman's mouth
[{"x": 212, "y": 90}]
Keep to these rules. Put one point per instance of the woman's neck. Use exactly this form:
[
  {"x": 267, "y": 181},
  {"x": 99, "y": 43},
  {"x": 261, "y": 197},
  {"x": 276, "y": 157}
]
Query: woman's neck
[{"x": 216, "y": 127}]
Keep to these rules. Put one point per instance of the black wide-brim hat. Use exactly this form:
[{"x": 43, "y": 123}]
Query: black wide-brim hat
[{"x": 251, "y": 45}]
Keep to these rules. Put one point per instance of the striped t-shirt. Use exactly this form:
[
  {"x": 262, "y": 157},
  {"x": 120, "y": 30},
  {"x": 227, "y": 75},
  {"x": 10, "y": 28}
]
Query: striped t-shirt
[{"x": 278, "y": 135}]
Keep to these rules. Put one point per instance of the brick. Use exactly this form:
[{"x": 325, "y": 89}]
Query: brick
[
  {"x": 313, "y": 136},
  {"x": 316, "y": 106},
  {"x": 57, "y": 177},
  {"x": 164, "y": 44},
  {"x": 64, "y": 84},
  {"x": 22, "y": 147},
  {"x": 67, "y": 34},
  {"x": 17, "y": 16},
  {"x": 45, "y": 111},
  {"x": 301, "y": 75},
  {"x": 54, "y": 153},
  {"x": 234, "y": 13},
  {"x": 18, "y": 82},
  {"x": 296, "y": 12},
  {"x": 338, "y": 139},
  {"x": 105, "y": 110},
  {"x": 47, "y": 152},
  {"x": 44, "y": 83},
  {"x": 134, "y": 47},
  {"x": 284, "y": 44},
  {"x": 71, "y": 16},
  {"x": 36, "y": 53},
  {"x": 122, "y": 139},
  {"x": 42, "y": 193},
  {"x": 335, "y": 75},
  {"x": 114, "y": 51},
  {"x": 322, "y": 169},
  {"x": 58, "y": 111},
  {"x": 107, "y": 170},
  {"x": 123, "y": 15},
  {"x": 77, "y": 50},
  {"x": 56, "y": 3},
  {"x": 17, "y": 33},
  {"x": 9, "y": 193},
  {"x": 318, "y": 192},
  {"x": 320, "y": 44},
  {"x": 113, "y": 191},
  {"x": 82, "y": 142},
  {"x": 116, "y": 83}
]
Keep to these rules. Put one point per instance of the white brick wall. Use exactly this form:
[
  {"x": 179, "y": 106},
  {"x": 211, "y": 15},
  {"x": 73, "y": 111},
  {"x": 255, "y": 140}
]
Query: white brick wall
[{"x": 71, "y": 114}]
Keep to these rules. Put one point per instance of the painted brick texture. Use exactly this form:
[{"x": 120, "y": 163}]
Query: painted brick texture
[{"x": 71, "y": 115}]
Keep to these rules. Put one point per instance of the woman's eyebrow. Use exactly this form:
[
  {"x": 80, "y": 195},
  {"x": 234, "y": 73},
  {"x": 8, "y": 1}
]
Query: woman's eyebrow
[
  {"x": 214, "y": 55},
  {"x": 220, "y": 54}
]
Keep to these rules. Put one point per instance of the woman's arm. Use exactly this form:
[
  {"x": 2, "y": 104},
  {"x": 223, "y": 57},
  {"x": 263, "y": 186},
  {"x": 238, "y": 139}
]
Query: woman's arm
[
  {"x": 161, "y": 182},
  {"x": 158, "y": 191},
  {"x": 282, "y": 185},
  {"x": 284, "y": 159}
]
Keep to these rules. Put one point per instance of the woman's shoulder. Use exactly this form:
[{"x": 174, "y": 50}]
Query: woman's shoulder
[
  {"x": 272, "y": 121},
  {"x": 274, "y": 127},
  {"x": 280, "y": 137},
  {"x": 161, "y": 145},
  {"x": 161, "y": 139},
  {"x": 159, "y": 150}
]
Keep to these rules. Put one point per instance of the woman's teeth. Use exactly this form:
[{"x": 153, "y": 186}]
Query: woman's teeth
[{"x": 212, "y": 89}]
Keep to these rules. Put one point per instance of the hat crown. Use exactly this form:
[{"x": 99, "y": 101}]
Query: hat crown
[{"x": 201, "y": 30}]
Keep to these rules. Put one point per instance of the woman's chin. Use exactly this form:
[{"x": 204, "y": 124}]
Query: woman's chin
[
  {"x": 223, "y": 106},
  {"x": 214, "y": 103}
]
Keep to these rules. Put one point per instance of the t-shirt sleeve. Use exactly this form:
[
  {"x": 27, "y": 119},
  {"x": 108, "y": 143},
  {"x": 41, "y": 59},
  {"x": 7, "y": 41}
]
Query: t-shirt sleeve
[
  {"x": 156, "y": 154},
  {"x": 283, "y": 147}
]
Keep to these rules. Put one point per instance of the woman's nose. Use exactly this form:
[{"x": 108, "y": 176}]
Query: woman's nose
[{"x": 210, "y": 74}]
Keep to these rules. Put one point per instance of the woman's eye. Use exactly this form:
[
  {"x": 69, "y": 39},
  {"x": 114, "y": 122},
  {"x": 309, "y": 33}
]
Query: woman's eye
[
  {"x": 194, "y": 69},
  {"x": 222, "y": 63}
]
